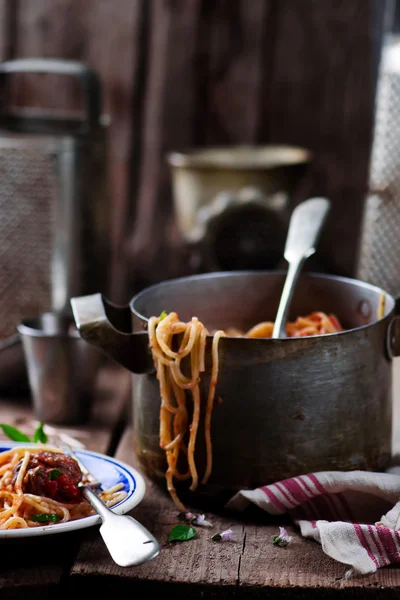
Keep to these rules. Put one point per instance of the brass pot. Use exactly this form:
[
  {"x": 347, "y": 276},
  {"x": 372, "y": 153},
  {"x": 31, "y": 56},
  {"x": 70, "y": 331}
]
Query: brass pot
[{"x": 233, "y": 204}]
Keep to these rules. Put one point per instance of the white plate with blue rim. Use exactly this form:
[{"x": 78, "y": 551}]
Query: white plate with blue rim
[{"x": 109, "y": 471}]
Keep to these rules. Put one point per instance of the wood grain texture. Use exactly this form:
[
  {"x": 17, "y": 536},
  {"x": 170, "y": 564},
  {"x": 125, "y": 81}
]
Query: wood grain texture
[
  {"x": 8, "y": 18},
  {"x": 321, "y": 95},
  {"x": 168, "y": 120},
  {"x": 248, "y": 567},
  {"x": 207, "y": 94},
  {"x": 285, "y": 72},
  {"x": 180, "y": 74},
  {"x": 115, "y": 49},
  {"x": 4, "y": 6},
  {"x": 50, "y": 30},
  {"x": 231, "y": 70}
]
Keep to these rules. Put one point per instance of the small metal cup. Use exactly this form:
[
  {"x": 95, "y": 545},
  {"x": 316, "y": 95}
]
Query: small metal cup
[{"x": 61, "y": 367}]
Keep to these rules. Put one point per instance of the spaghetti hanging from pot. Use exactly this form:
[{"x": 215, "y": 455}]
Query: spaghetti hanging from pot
[
  {"x": 177, "y": 436},
  {"x": 174, "y": 418}
]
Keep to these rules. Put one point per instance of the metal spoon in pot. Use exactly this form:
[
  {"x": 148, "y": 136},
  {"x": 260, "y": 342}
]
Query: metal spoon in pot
[{"x": 305, "y": 226}]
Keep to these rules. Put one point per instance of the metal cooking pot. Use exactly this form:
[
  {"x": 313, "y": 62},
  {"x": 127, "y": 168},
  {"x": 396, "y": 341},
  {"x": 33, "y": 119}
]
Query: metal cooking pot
[{"x": 289, "y": 406}]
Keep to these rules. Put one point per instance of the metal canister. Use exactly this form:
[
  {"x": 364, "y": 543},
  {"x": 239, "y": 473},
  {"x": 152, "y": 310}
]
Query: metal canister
[
  {"x": 62, "y": 369},
  {"x": 54, "y": 201}
]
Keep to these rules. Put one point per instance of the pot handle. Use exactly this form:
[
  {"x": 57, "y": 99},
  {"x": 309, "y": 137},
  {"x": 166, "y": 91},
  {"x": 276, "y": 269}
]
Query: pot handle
[{"x": 108, "y": 327}]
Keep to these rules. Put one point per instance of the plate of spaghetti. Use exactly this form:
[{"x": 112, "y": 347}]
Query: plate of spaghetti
[{"x": 40, "y": 494}]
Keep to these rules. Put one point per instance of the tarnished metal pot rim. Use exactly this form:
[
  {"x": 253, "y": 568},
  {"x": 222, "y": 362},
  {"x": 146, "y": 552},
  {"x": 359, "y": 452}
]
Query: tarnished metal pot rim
[
  {"x": 235, "y": 299},
  {"x": 389, "y": 301},
  {"x": 49, "y": 325}
]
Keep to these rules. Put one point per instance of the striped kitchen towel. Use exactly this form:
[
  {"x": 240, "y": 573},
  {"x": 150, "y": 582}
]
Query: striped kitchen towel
[{"x": 354, "y": 515}]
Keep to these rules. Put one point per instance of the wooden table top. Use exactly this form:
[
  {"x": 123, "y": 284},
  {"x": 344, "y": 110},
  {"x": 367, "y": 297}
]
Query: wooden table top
[{"x": 249, "y": 566}]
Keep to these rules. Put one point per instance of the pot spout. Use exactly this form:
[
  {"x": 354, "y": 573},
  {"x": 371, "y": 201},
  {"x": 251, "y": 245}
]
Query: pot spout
[{"x": 108, "y": 327}]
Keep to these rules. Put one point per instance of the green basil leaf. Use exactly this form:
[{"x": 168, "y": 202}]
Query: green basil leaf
[
  {"x": 14, "y": 434},
  {"x": 181, "y": 533},
  {"x": 163, "y": 315},
  {"x": 45, "y": 518},
  {"x": 40, "y": 435},
  {"x": 54, "y": 474}
]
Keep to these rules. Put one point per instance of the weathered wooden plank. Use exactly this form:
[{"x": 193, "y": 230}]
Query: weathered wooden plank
[
  {"x": 50, "y": 30},
  {"x": 7, "y": 29},
  {"x": 204, "y": 562},
  {"x": 321, "y": 94},
  {"x": 115, "y": 49},
  {"x": 283, "y": 72},
  {"x": 35, "y": 567},
  {"x": 208, "y": 94},
  {"x": 153, "y": 246},
  {"x": 250, "y": 566},
  {"x": 4, "y": 4},
  {"x": 235, "y": 42},
  {"x": 237, "y": 80}
]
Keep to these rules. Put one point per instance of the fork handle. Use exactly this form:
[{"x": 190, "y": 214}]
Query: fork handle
[
  {"x": 127, "y": 540},
  {"x": 96, "y": 502}
]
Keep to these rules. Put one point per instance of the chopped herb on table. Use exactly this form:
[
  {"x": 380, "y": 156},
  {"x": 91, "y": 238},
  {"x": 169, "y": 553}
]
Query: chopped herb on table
[
  {"x": 224, "y": 536},
  {"x": 181, "y": 533},
  {"x": 199, "y": 520},
  {"x": 185, "y": 516},
  {"x": 283, "y": 539}
]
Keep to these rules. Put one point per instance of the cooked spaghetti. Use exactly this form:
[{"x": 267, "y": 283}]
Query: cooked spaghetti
[
  {"x": 178, "y": 436},
  {"x": 174, "y": 417},
  {"x": 39, "y": 486},
  {"x": 316, "y": 323}
]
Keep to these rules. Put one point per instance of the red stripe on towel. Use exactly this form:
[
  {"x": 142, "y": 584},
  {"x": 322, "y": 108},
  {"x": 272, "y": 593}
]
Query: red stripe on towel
[
  {"x": 275, "y": 501},
  {"x": 365, "y": 544}
]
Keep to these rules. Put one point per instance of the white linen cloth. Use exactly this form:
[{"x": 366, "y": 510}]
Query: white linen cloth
[{"x": 354, "y": 515}]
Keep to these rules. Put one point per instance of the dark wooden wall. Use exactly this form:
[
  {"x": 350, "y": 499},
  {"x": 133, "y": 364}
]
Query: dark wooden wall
[{"x": 181, "y": 73}]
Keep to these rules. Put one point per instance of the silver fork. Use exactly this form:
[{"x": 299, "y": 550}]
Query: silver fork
[{"x": 128, "y": 541}]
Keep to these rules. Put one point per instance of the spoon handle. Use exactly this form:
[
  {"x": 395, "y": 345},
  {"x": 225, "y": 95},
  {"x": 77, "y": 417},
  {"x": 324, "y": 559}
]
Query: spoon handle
[
  {"x": 287, "y": 293},
  {"x": 304, "y": 229}
]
